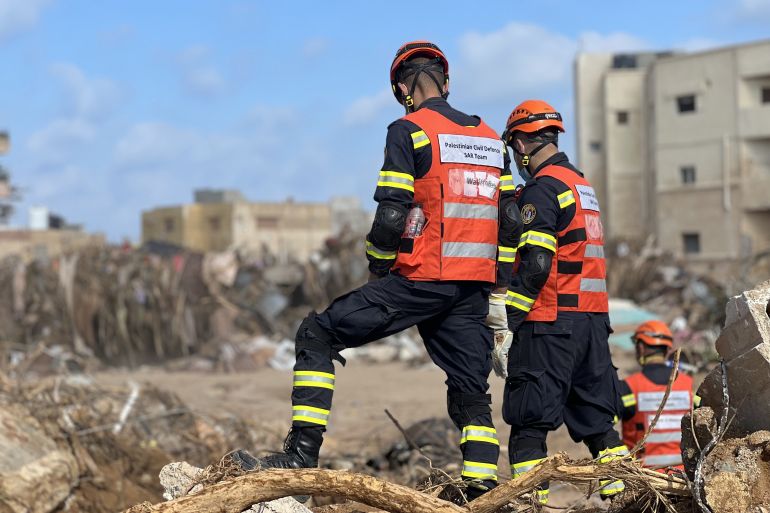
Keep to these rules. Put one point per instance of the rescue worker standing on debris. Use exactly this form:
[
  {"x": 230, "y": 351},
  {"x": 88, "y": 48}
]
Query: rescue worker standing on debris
[
  {"x": 642, "y": 393},
  {"x": 558, "y": 366},
  {"x": 433, "y": 252}
]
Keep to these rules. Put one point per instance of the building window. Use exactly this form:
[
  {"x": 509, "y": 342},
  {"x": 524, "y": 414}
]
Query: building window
[
  {"x": 686, "y": 103},
  {"x": 691, "y": 243},
  {"x": 766, "y": 95},
  {"x": 624, "y": 61},
  {"x": 687, "y": 173},
  {"x": 595, "y": 146},
  {"x": 168, "y": 224},
  {"x": 622, "y": 117},
  {"x": 215, "y": 224},
  {"x": 267, "y": 222}
]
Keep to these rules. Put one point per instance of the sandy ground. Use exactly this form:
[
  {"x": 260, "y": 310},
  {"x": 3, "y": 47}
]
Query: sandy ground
[{"x": 362, "y": 394}]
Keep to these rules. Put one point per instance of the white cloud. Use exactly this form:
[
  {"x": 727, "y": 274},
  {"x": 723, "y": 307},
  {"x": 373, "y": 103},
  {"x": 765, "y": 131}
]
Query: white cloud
[
  {"x": 315, "y": 47},
  {"x": 610, "y": 43},
  {"x": 85, "y": 97},
  {"x": 366, "y": 109},
  {"x": 757, "y": 10},
  {"x": 54, "y": 141},
  {"x": 16, "y": 16},
  {"x": 198, "y": 75}
]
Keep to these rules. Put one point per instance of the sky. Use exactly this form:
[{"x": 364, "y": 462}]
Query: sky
[{"x": 117, "y": 107}]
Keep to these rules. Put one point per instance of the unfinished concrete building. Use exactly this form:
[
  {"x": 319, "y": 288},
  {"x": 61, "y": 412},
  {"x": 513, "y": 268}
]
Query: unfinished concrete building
[{"x": 678, "y": 146}]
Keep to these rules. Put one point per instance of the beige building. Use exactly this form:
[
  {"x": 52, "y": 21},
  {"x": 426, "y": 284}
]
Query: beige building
[
  {"x": 678, "y": 146},
  {"x": 222, "y": 220}
]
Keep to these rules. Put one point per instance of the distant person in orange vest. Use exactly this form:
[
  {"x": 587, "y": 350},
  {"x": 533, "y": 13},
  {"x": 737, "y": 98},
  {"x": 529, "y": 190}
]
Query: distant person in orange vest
[
  {"x": 444, "y": 233},
  {"x": 643, "y": 392}
]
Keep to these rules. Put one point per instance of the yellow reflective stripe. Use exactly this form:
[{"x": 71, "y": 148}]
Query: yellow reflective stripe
[
  {"x": 542, "y": 496},
  {"x": 506, "y": 183},
  {"x": 314, "y": 379},
  {"x": 535, "y": 238},
  {"x": 629, "y": 400},
  {"x": 696, "y": 401},
  {"x": 479, "y": 434},
  {"x": 566, "y": 199},
  {"x": 519, "y": 301},
  {"x": 381, "y": 254},
  {"x": 420, "y": 139},
  {"x": 396, "y": 185},
  {"x": 519, "y": 469},
  {"x": 479, "y": 470},
  {"x": 314, "y": 373},
  {"x": 310, "y": 414},
  {"x": 612, "y": 453},
  {"x": 396, "y": 174},
  {"x": 611, "y": 487},
  {"x": 506, "y": 254}
]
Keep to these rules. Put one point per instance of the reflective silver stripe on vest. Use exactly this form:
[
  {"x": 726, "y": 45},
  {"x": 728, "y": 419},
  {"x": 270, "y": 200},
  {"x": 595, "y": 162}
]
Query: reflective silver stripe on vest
[
  {"x": 662, "y": 438},
  {"x": 467, "y": 211},
  {"x": 593, "y": 285},
  {"x": 662, "y": 460},
  {"x": 469, "y": 250},
  {"x": 594, "y": 251}
]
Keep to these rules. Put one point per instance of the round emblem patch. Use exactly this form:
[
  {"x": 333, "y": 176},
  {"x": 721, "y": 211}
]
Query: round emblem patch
[{"x": 528, "y": 213}]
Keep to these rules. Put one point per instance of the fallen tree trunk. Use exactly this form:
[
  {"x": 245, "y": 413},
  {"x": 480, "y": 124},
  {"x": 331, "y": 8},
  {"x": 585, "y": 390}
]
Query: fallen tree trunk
[{"x": 238, "y": 494}]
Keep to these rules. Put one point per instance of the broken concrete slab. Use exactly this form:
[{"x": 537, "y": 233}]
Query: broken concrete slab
[
  {"x": 36, "y": 476},
  {"x": 747, "y": 324}
]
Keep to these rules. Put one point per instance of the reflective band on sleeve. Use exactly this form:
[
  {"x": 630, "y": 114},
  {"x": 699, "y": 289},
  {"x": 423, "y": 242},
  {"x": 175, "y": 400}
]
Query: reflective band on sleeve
[
  {"x": 593, "y": 285},
  {"x": 479, "y": 470},
  {"x": 662, "y": 460},
  {"x": 594, "y": 251},
  {"x": 542, "y": 239},
  {"x": 310, "y": 414},
  {"x": 506, "y": 254},
  {"x": 395, "y": 179},
  {"x": 420, "y": 139},
  {"x": 629, "y": 400},
  {"x": 479, "y": 434},
  {"x": 666, "y": 437},
  {"x": 566, "y": 199},
  {"x": 469, "y": 250},
  {"x": 470, "y": 211},
  {"x": 519, "y": 301},
  {"x": 506, "y": 183},
  {"x": 381, "y": 254},
  {"x": 519, "y": 469},
  {"x": 314, "y": 379}
]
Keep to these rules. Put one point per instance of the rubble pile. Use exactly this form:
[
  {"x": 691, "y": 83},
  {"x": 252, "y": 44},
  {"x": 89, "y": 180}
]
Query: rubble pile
[{"x": 128, "y": 308}]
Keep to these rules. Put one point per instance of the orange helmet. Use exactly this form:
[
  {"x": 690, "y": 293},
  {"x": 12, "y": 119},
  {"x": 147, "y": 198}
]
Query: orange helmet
[
  {"x": 532, "y": 116},
  {"x": 414, "y": 49},
  {"x": 654, "y": 333}
]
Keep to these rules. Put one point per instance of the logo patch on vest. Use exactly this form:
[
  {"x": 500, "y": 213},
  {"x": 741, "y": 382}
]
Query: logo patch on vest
[
  {"x": 472, "y": 184},
  {"x": 528, "y": 213},
  {"x": 594, "y": 227},
  {"x": 587, "y": 197},
  {"x": 465, "y": 149}
]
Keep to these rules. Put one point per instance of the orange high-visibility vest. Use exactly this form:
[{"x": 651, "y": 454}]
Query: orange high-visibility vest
[
  {"x": 459, "y": 196},
  {"x": 662, "y": 448},
  {"x": 578, "y": 271}
]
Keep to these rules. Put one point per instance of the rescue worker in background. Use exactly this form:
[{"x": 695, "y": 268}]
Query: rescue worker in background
[
  {"x": 642, "y": 393},
  {"x": 558, "y": 365},
  {"x": 435, "y": 272}
]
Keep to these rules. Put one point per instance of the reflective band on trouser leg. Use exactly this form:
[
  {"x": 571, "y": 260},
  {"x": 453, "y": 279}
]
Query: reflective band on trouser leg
[
  {"x": 479, "y": 434},
  {"x": 469, "y": 250},
  {"x": 593, "y": 285},
  {"x": 381, "y": 254},
  {"x": 506, "y": 254},
  {"x": 519, "y": 301},
  {"x": 519, "y": 469},
  {"x": 611, "y": 487},
  {"x": 314, "y": 379},
  {"x": 506, "y": 183},
  {"x": 420, "y": 139},
  {"x": 662, "y": 460},
  {"x": 395, "y": 179},
  {"x": 566, "y": 199},
  {"x": 535, "y": 238},
  {"x": 310, "y": 414},
  {"x": 470, "y": 211},
  {"x": 594, "y": 251},
  {"x": 629, "y": 400},
  {"x": 479, "y": 470}
]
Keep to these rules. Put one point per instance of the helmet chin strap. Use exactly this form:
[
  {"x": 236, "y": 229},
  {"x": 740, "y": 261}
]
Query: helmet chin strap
[
  {"x": 526, "y": 159},
  {"x": 416, "y": 70}
]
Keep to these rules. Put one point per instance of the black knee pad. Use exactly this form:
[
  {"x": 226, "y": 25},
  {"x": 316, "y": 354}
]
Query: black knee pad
[
  {"x": 463, "y": 408},
  {"x": 312, "y": 337}
]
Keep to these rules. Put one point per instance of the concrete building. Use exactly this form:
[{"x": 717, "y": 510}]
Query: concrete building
[
  {"x": 678, "y": 146},
  {"x": 222, "y": 220}
]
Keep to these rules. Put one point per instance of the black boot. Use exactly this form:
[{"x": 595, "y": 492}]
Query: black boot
[
  {"x": 478, "y": 487},
  {"x": 300, "y": 450}
]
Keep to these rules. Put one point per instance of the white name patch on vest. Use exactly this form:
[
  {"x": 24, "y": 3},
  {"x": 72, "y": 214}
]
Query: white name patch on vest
[
  {"x": 466, "y": 149},
  {"x": 666, "y": 421},
  {"x": 587, "y": 197},
  {"x": 649, "y": 401}
]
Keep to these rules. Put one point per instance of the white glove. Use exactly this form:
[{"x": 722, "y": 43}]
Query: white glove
[
  {"x": 503, "y": 341},
  {"x": 497, "y": 319}
]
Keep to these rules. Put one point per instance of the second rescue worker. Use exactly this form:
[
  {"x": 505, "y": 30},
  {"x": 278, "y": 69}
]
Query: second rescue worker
[
  {"x": 462, "y": 226},
  {"x": 559, "y": 367}
]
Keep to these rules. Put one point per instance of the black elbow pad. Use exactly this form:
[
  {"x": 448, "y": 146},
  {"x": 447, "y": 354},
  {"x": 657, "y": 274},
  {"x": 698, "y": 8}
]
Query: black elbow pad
[
  {"x": 389, "y": 222},
  {"x": 534, "y": 268},
  {"x": 510, "y": 223}
]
